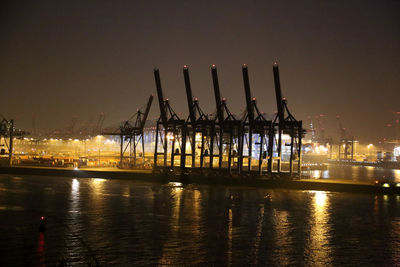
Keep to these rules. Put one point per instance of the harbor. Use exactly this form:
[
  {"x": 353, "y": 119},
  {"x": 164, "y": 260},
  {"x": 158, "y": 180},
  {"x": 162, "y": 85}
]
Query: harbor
[
  {"x": 199, "y": 133},
  {"x": 218, "y": 179}
]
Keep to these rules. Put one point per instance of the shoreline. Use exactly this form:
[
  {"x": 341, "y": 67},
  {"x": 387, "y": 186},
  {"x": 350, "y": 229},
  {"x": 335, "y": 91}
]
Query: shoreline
[{"x": 195, "y": 178}]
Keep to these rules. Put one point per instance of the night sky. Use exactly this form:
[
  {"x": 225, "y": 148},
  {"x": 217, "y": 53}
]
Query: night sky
[{"x": 60, "y": 59}]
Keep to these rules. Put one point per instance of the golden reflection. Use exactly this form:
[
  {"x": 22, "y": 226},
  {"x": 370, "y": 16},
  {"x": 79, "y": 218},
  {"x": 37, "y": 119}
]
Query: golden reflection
[
  {"x": 74, "y": 207},
  {"x": 75, "y": 186},
  {"x": 177, "y": 189},
  {"x": 196, "y": 204},
  {"x": 175, "y": 184},
  {"x": 396, "y": 175},
  {"x": 258, "y": 237},
  {"x": 320, "y": 228},
  {"x": 177, "y": 206},
  {"x": 97, "y": 187},
  {"x": 127, "y": 192},
  {"x": 74, "y": 218},
  {"x": 283, "y": 238},
  {"x": 320, "y": 198},
  {"x": 97, "y": 184},
  {"x": 192, "y": 208},
  {"x": 370, "y": 171},
  {"x": 386, "y": 198},
  {"x": 176, "y": 194}
]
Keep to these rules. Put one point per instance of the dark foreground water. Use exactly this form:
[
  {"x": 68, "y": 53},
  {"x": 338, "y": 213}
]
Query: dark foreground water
[{"x": 127, "y": 223}]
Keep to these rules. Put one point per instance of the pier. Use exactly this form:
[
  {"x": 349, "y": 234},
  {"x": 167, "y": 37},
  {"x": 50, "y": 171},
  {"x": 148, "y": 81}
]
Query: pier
[{"x": 218, "y": 179}]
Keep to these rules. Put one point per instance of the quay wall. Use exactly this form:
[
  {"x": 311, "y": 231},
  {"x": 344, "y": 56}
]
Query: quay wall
[{"x": 211, "y": 179}]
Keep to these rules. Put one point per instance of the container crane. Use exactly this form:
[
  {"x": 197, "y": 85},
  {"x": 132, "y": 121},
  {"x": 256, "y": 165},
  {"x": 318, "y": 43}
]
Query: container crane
[
  {"x": 131, "y": 132},
  {"x": 229, "y": 128},
  {"x": 286, "y": 125},
  {"x": 170, "y": 128},
  {"x": 197, "y": 122},
  {"x": 256, "y": 123}
]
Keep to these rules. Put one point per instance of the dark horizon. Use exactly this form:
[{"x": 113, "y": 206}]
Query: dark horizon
[{"x": 61, "y": 60}]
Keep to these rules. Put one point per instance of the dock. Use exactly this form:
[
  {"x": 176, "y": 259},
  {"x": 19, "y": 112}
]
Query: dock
[{"x": 333, "y": 185}]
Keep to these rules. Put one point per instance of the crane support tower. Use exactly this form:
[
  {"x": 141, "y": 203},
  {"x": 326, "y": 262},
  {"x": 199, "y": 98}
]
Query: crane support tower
[
  {"x": 199, "y": 127},
  {"x": 170, "y": 132},
  {"x": 228, "y": 133},
  {"x": 256, "y": 125},
  {"x": 132, "y": 137},
  {"x": 6, "y": 138},
  {"x": 287, "y": 125},
  {"x": 7, "y": 135}
]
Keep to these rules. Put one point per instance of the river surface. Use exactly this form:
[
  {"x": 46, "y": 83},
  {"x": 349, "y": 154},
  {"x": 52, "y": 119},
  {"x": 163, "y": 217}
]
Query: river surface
[
  {"x": 355, "y": 173},
  {"x": 126, "y": 223}
]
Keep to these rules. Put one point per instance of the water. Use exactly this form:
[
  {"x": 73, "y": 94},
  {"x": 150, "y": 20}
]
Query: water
[
  {"x": 128, "y": 223},
  {"x": 356, "y": 173}
]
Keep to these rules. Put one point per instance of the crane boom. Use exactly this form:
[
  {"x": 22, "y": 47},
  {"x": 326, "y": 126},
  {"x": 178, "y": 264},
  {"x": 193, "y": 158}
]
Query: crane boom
[
  {"x": 217, "y": 94},
  {"x": 192, "y": 113},
  {"x": 146, "y": 113},
  {"x": 250, "y": 109},
  {"x": 160, "y": 96},
  {"x": 278, "y": 94}
]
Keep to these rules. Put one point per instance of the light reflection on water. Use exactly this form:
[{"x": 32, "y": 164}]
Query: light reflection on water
[
  {"x": 355, "y": 173},
  {"x": 130, "y": 223},
  {"x": 282, "y": 236},
  {"x": 397, "y": 175},
  {"x": 230, "y": 227},
  {"x": 320, "y": 228}
]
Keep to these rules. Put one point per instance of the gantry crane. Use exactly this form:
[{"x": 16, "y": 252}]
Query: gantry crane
[
  {"x": 197, "y": 123},
  {"x": 170, "y": 129},
  {"x": 228, "y": 135},
  {"x": 6, "y": 137},
  {"x": 131, "y": 135},
  {"x": 255, "y": 123},
  {"x": 287, "y": 125}
]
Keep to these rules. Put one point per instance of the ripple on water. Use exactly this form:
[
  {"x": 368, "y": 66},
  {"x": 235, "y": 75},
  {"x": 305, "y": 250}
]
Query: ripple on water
[{"x": 120, "y": 222}]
